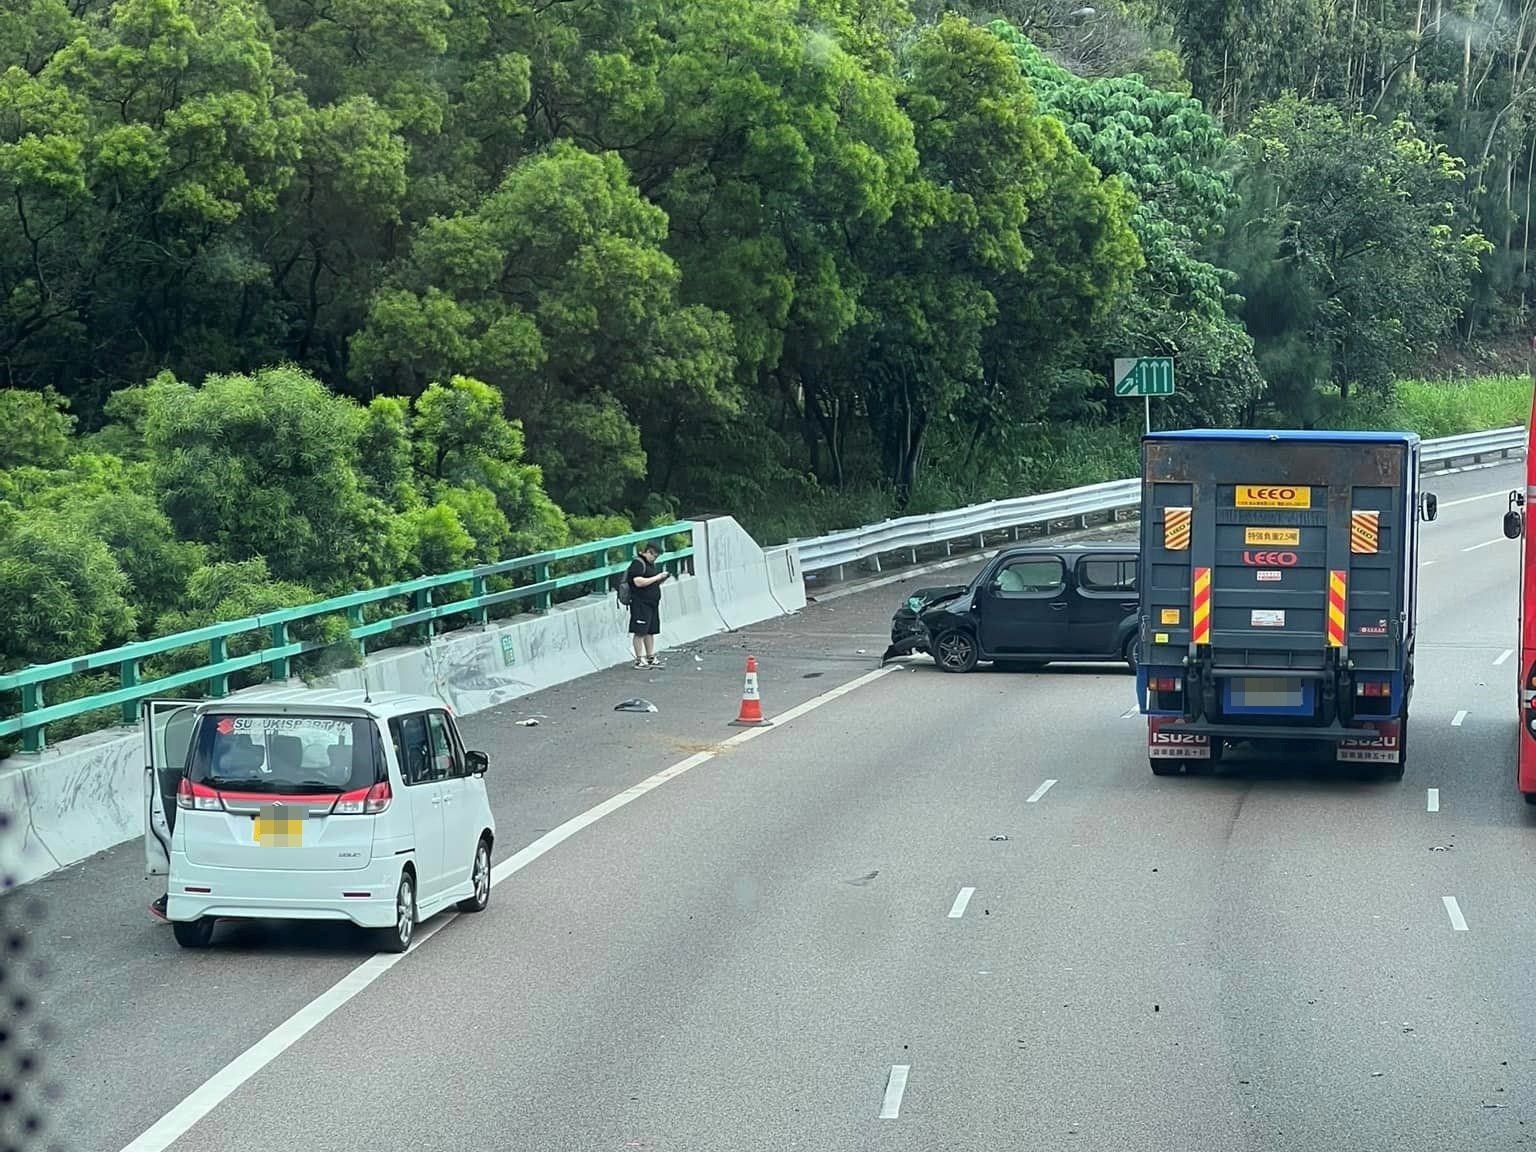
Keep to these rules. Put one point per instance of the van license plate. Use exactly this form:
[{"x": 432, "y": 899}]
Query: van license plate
[{"x": 278, "y": 826}]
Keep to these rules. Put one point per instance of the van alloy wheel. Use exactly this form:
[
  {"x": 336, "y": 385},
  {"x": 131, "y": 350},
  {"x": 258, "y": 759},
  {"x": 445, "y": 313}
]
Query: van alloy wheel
[
  {"x": 480, "y": 876},
  {"x": 398, "y": 938},
  {"x": 955, "y": 651}
]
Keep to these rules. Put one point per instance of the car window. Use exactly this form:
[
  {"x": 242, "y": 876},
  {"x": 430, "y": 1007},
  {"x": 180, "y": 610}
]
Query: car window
[
  {"x": 413, "y": 748},
  {"x": 1115, "y": 574},
  {"x": 1035, "y": 574},
  {"x": 446, "y": 760}
]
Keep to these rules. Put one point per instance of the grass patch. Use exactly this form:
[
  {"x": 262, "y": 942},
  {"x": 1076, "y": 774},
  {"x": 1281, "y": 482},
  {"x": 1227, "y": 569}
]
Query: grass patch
[{"x": 1436, "y": 408}]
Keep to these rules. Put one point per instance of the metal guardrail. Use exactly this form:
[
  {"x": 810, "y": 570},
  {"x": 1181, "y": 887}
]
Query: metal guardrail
[
  {"x": 1074, "y": 505},
  {"x": 278, "y": 649}
]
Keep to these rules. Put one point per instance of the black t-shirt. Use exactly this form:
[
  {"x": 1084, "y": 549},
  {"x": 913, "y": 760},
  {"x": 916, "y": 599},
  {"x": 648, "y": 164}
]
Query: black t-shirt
[{"x": 643, "y": 594}]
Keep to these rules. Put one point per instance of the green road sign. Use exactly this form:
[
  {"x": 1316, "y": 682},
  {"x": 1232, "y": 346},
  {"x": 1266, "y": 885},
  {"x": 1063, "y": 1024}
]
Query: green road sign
[{"x": 1144, "y": 376}]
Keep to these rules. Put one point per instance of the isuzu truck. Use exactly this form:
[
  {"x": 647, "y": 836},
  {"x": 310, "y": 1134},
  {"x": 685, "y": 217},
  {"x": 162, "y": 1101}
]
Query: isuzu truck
[{"x": 1278, "y": 589}]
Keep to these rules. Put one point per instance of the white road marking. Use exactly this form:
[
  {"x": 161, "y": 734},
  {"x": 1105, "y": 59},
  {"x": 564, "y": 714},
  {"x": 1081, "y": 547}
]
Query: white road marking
[
  {"x": 222, "y": 1084},
  {"x": 1503, "y": 656},
  {"x": 1425, "y": 563},
  {"x": 1484, "y": 544},
  {"x": 1474, "y": 499},
  {"x": 1434, "y": 799},
  {"x": 1458, "y": 921},
  {"x": 1129, "y": 712},
  {"x": 894, "y": 1087},
  {"x": 1458, "y": 718},
  {"x": 957, "y": 910},
  {"x": 1040, "y": 791}
]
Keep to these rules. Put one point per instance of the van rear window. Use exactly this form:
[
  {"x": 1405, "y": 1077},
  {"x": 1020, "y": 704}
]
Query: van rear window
[{"x": 285, "y": 754}]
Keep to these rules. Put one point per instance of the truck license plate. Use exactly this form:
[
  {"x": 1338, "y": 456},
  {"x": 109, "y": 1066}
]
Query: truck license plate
[{"x": 1267, "y": 692}]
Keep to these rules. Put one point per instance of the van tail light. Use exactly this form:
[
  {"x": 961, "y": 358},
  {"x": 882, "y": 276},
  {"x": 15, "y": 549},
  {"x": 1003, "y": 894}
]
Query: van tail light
[
  {"x": 365, "y": 801},
  {"x": 198, "y": 796}
]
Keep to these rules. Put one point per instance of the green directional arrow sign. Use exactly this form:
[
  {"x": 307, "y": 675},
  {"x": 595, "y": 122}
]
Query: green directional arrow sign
[{"x": 1144, "y": 376}]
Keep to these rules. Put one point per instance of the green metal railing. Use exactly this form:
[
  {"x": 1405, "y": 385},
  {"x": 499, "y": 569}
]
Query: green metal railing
[{"x": 280, "y": 650}]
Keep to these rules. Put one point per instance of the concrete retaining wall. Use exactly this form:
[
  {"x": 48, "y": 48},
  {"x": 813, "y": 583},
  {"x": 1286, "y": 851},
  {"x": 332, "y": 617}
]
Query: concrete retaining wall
[{"x": 87, "y": 795}]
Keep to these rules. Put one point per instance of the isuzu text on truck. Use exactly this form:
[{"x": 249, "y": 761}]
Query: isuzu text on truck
[{"x": 1279, "y": 588}]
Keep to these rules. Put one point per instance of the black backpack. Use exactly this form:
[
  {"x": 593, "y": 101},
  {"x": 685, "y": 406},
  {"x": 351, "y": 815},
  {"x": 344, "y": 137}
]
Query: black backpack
[{"x": 624, "y": 590}]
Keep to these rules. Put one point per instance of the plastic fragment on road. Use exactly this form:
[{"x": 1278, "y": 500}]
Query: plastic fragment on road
[
  {"x": 530, "y": 723},
  {"x": 635, "y": 705}
]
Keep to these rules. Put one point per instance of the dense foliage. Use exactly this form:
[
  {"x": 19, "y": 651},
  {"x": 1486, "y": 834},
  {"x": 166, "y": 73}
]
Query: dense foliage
[{"x": 298, "y": 297}]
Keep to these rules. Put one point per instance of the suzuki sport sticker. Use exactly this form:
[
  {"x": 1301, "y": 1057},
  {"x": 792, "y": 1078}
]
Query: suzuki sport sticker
[
  {"x": 1272, "y": 496},
  {"x": 231, "y": 724}
]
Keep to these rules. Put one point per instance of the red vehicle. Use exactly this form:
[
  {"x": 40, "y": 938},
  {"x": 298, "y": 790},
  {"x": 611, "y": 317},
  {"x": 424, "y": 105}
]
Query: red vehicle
[{"x": 1516, "y": 528}]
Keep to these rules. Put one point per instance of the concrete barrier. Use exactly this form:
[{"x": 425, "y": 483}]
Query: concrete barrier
[
  {"x": 786, "y": 583},
  {"x": 738, "y": 577},
  {"x": 87, "y": 795}
]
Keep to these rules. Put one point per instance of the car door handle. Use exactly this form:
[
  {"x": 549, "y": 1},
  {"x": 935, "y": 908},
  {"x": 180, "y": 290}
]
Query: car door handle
[
  {"x": 1129, "y": 605},
  {"x": 1059, "y": 606}
]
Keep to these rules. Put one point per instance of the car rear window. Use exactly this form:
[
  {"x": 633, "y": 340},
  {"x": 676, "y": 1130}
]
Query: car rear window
[{"x": 285, "y": 754}]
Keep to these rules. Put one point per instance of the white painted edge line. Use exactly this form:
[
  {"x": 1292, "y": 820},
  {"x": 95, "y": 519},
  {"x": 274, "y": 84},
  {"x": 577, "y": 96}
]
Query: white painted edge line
[
  {"x": 895, "y": 1085},
  {"x": 1039, "y": 792},
  {"x": 1129, "y": 712},
  {"x": 1471, "y": 499},
  {"x": 1434, "y": 800},
  {"x": 957, "y": 909},
  {"x": 1484, "y": 544},
  {"x": 1458, "y": 718},
  {"x": 1503, "y": 656},
  {"x": 1425, "y": 563},
  {"x": 1453, "y": 909},
  {"x": 222, "y": 1084}
]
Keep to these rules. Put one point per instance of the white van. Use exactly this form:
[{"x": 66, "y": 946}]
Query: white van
[{"x": 314, "y": 805}]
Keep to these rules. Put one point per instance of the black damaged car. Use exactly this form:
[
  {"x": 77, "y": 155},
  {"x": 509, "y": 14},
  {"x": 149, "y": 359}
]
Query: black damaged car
[{"x": 1028, "y": 607}]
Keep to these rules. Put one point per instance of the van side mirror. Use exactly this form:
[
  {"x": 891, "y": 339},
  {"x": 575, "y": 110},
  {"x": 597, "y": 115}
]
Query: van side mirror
[
  {"x": 477, "y": 763},
  {"x": 1429, "y": 506}
]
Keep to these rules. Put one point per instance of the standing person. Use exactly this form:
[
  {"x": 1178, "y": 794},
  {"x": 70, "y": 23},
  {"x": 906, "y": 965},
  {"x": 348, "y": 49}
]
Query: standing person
[{"x": 645, "y": 580}]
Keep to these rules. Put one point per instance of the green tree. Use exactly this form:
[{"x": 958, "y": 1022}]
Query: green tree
[{"x": 1365, "y": 215}]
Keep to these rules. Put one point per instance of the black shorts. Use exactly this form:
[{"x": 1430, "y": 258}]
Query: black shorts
[{"x": 644, "y": 619}]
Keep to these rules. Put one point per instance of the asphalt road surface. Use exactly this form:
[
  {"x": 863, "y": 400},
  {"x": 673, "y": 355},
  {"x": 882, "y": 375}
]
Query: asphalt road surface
[{"x": 923, "y": 912}]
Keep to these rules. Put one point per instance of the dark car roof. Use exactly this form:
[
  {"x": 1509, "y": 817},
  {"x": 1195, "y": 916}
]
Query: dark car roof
[{"x": 1131, "y": 547}]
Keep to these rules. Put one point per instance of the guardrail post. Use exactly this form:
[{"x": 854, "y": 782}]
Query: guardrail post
[
  {"x": 32, "y": 739},
  {"x": 544, "y": 601},
  {"x": 599, "y": 586},
  {"x": 477, "y": 587},
  {"x": 355, "y": 620},
  {"x": 218, "y": 652},
  {"x": 280, "y": 668},
  {"x": 128, "y": 676},
  {"x": 421, "y": 600}
]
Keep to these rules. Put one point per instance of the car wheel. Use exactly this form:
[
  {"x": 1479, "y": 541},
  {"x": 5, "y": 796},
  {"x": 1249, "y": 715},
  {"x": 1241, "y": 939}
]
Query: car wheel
[
  {"x": 194, "y": 933},
  {"x": 1131, "y": 653},
  {"x": 955, "y": 650},
  {"x": 398, "y": 937},
  {"x": 480, "y": 875}
]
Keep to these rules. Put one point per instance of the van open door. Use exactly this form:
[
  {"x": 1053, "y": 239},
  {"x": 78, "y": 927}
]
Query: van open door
[{"x": 167, "y": 728}]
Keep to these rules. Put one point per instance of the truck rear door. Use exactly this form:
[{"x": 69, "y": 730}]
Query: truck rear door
[{"x": 1275, "y": 553}]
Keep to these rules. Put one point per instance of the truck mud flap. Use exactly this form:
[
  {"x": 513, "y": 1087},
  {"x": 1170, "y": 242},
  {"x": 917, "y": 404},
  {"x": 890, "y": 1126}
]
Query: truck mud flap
[
  {"x": 1166, "y": 742},
  {"x": 1385, "y": 748}
]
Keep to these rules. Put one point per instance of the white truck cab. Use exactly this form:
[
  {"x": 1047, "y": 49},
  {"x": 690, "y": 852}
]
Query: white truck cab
[{"x": 314, "y": 805}]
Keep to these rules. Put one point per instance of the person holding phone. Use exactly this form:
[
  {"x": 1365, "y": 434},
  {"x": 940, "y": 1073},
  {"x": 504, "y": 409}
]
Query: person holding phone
[{"x": 645, "y": 580}]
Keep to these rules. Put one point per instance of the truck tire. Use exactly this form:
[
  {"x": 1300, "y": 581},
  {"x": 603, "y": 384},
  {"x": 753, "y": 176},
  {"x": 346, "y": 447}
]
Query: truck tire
[
  {"x": 1395, "y": 771},
  {"x": 1164, "y": 767}
]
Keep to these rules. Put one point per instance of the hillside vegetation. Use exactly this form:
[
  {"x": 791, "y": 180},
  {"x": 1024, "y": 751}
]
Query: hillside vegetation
[{"x": 297, "y": 298}]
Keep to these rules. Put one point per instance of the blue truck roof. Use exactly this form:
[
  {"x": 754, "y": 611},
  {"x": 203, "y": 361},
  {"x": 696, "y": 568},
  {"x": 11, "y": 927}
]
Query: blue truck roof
[{"x": 1293, "y": 435}]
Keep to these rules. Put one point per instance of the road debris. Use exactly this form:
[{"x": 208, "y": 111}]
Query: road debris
[{"x": 635, "y": 705}]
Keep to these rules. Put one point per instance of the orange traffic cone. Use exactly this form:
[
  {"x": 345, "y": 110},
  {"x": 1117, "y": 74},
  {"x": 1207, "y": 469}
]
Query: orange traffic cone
[{"x": 751, "y": 714}]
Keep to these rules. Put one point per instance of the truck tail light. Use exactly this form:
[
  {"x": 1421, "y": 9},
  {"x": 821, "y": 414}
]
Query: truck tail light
[
  {"x": 1373, "y": 688},
  {"x": 1165, "y": 683}
]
